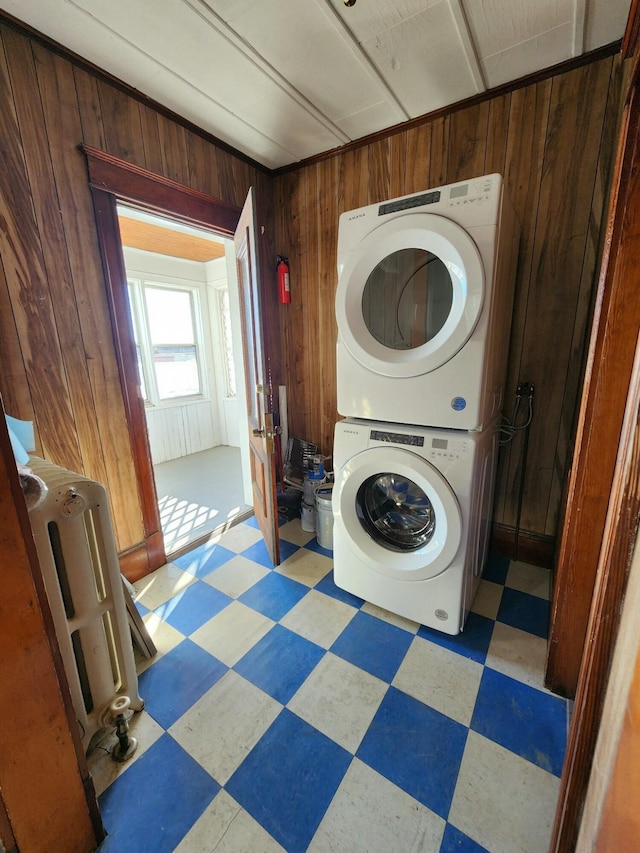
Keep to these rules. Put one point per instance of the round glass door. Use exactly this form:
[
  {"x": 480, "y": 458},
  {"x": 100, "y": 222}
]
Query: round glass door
[
  {"x": 396, "y": 512},
  {"x": 407, "y": 299},
  {"x": 410, "y": 295}
]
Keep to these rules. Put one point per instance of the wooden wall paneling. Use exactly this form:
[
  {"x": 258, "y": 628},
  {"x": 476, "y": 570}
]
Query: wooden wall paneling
[
  {"x": 467, "y": 142},
  {"x": 313, "y": 338},
  {"x": 121, "y": 124},
  {"x": 203, "y": 164},
  {"x": 497, "y": 135},
  {"x": 26, "y": 275},
  {"x": 101, "y": 419},
  {"x": 328, "y": 279},
  {"x": 153, "y": 153},
  {"x": 611, "y": 348},
  {"x": 398, "y": 164},
  {"x": 379, "y": 177},
  {"x": 439, "y": 160},
  {"x": 577, "y": 100},
  {"x": 231, "y": 190},
  {"x": 13, "y": 378},
  {"x": 353, "y": 189},
  {"x": 528, "y": 120},
  {"x": 593, "y": 254},
  {"x": 418, "y": 152},
  {"x": 90, "y": 109},
  {"x": 292, "y": 246},
  {"x": 173, "y": 146}
]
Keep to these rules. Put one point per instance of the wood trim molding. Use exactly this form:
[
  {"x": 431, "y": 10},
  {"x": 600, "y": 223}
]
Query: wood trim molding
[{"x": 145, "y": 189}]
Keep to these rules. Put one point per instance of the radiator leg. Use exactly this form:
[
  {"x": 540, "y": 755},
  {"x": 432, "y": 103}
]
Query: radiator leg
[{"x": 126, "y": 745}]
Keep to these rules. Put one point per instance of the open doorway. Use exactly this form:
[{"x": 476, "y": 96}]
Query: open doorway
[{"x": 183, "y": 299}]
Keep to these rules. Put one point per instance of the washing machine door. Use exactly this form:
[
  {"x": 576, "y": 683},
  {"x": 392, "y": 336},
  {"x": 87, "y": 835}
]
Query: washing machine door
[
  {"x": 398, "y": 512},
  {"x": 410, "y": 295}
]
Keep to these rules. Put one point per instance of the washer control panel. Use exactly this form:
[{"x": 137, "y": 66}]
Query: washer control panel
[
  {"x": 472, "y": 193},
  {"x": 447, "y": 448}
]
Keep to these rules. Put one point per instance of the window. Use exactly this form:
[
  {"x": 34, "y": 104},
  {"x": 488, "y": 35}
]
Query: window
[{"x": 167, "y": 340}]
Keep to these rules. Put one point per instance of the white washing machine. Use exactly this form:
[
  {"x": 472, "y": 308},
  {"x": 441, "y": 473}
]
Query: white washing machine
[
  {"x": 424, "y": 303},
  {"x": 412, "y": 508}
]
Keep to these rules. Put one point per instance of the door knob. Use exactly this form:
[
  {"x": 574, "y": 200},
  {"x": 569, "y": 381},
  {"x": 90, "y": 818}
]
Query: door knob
[{"x": 258, "y": 432}]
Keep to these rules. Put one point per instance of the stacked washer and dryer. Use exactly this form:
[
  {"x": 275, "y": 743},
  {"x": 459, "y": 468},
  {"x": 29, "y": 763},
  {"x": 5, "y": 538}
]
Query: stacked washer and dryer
[{"x": 423, "y": 306}]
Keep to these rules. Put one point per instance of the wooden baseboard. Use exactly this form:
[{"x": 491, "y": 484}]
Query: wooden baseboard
[{"x": 534, "y": 548}]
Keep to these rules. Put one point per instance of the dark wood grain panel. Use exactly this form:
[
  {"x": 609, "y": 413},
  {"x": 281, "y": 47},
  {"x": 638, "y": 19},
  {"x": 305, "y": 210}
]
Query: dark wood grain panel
[
  {"x": 173, "y": 146},
  {"x": 379, "y": 174},
  {"x": 439, "y": 160},
  {"x": 14, "y": 386},
  {"x": 203, "y": 165},
  {"x": 25, "y": 271},
  {"x": 398, "y": 164},
  {"x": 497, "y": 135},
  {"x": 328, "y": 280},
  {"x": 467, "y": 143},
  {"x": 418, "y": 159},
  {"x": 90, "y": 361},
  {"x": 354, "y": 175},
  {"x": 90, "y": 109},
  {"x": 554, "y": 302},
  {"x": 121, "y": 124},
  {"x": 153, "y": 149}
]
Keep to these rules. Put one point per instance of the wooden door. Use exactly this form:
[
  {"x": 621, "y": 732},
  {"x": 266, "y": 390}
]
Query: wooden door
[{"x": 259, "y": 391}]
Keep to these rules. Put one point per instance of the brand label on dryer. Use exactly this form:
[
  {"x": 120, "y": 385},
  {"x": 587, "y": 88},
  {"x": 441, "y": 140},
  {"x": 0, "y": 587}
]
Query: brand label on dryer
[{"x": 458, "y": 404}]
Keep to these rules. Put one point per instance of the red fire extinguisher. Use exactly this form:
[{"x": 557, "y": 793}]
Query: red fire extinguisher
[{"x": 284, "y": 290}]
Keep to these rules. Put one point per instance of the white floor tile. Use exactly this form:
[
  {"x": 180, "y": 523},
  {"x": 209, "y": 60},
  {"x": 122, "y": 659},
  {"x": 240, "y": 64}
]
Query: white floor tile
[
  {"x": 227, "y": 828},
  {"x": 501, "y": 801},
  {"x": 307, "y": 567},
  {"x": 319, "y": 618},
  {"x": 236, "y": 576},
  {"x": 518, "y": 654},
  {"x": 292, "y": 532},
  {"x": 230, "y": 634},
  {"x": 103, "y": 768},
  {"x": 369, "y": 813},
  {"x": 487, "y": 599},
  {"x": 224, "y": 725},
  {"x": 158, "y": 587},
  {"x": 527, "y": 578},
  {"x": 340, "y": 700},
  {"x": 440, "y": 678},
  {"x": 239, "y": 537}
]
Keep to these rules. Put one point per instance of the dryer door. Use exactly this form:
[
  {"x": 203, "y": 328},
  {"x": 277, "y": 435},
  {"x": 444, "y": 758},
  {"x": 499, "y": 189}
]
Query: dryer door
[
  {"x": 410, "y": 295},
  {"x": 398, "y": 512}
]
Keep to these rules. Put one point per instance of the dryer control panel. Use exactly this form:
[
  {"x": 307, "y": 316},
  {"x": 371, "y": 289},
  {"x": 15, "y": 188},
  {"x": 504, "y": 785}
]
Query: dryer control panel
[{"x": 447, "y": 448}]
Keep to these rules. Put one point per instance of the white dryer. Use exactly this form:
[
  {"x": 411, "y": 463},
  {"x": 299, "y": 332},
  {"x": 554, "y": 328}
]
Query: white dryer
[
  {"x": 412, "y": 509},
  {"x": 424, "y": 303}
]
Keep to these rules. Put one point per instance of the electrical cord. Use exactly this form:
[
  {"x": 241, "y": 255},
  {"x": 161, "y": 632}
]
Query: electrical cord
[{"x": 508, "y": 428}]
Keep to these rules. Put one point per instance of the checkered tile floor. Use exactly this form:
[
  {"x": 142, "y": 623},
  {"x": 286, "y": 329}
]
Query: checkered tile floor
[{"x": 285, "y": 714}]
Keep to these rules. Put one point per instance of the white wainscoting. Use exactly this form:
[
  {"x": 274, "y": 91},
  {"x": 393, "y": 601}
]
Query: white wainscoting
[{"x": 176, "y": 431}]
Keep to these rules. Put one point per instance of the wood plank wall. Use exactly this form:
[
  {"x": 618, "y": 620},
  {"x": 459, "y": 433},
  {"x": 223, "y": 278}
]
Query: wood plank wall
[
  {"x": 553, "y": 141},
  {"x": 56, "y": 348}
]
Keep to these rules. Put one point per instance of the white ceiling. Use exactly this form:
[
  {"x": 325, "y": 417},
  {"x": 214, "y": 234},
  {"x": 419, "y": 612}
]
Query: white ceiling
[{"x": 282, "y": 80}]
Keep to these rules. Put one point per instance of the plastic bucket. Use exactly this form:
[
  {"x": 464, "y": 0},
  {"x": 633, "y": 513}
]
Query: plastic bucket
[
  {"x": 324, "y": 516},
  {"x": 307, "y": 517}
]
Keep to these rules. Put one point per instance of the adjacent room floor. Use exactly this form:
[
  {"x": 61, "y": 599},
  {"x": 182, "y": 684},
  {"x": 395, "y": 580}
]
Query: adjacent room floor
[
  {"x": 285, "y": 714},
  {"x": 199, "y": 494}
]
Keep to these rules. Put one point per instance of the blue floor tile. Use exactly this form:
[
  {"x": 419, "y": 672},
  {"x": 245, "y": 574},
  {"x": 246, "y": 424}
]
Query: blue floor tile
[
  {"x": 523, "y": 611},
  {"x": 155, "y": 802},
  {"x": 259, "y": 554},
  {"x": 529, "y": 722},
  {"x": 373, "y": 645},
  {"x": 496, "y": 569},
  {"x": 204, "y": 559},
  {"x": 328, "y": 586},
  {"x": 288, "y": 780},
  {"x": 192, "y": 607},
  {"x": 280, "y": 662},
  {"x": 417, "y": 748},
  {"x": 177, "y": 680},
  {"x": 274, "y": 595},
  {"x": 472, "y": 643},
  {"x": 455, "y": 841}
]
